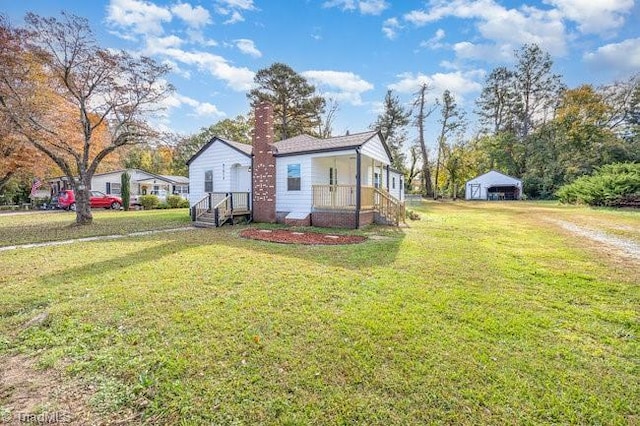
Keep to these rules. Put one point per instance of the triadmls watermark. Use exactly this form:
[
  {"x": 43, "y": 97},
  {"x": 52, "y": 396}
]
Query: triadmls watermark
[{"x": 54, "y": 417}]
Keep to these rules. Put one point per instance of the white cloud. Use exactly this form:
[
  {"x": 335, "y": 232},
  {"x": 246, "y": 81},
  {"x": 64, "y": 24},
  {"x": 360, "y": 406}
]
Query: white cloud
[
  {"x": 458, "y": 83},
  {"x": 390, "y": 28},
  {"x": 248, "y": 47},
  {"x": 492, "y": 52},
  {"x": 140, "y": 16},
  {"x": 595, "y": 17},
  {"x": 234, "y": 9},
  {"x": 195, "y": 17},
  {"x": 234, "y": 18},
  {"x": 434, "y": 42},
  {"x": 207, "y": 109},
  {"x": 623, "y": 57},
  {"x": 161, "y": 43},
  {"x": 339, "y": 85},
  {"x": 197, "y": 36},
  {"x": 200, "y": 109},
  {"x": 504, "y": 28},
  {"x": 344, "y": 4},
  {"x": 372, "y": 7},
  {"x": 238, "y": 4},
  {"x": 365, "y": 7},
  {"x": 239, "y": 79}
]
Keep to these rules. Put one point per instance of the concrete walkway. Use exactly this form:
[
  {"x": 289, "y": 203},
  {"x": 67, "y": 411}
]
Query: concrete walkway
[{"x": 96, "y": 238}]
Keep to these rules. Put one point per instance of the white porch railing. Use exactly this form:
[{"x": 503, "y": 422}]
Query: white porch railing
[{"x": 343, "y": 197}]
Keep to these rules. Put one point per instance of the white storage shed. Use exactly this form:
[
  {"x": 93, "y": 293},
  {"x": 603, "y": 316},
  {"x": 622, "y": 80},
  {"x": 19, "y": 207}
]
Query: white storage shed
[{"x": 493, "y": 185}]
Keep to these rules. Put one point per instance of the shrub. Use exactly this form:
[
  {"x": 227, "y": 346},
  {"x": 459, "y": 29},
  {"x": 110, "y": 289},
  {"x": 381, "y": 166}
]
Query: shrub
[
  {"x": 173, "y": 201},
  {"x": 149, "y": 202},
  {"x": 125, "y": 185},
  {"x": 184, "y": 203},
  {"x": 611, "y": 185},
  {"x": 413, "y": 215},
  {"x": 163, "y": 205}
]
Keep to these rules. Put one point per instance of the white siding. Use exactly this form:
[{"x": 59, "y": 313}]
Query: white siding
[
  {"x": 298, "y": 201},
  {"x": 375, "y": 149},
  {"x": 219, "y": 157},
  {"x": 99, "y": 182},
  {"x": 398, "y": 191}
]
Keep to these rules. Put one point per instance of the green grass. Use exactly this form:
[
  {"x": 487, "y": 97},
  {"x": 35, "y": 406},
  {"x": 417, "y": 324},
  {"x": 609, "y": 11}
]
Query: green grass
[
  {"x": 59, "y": 225},
  {"x": 478, "y": 313}
]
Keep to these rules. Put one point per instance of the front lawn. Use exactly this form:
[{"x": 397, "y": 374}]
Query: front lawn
[
  {"x": 39, "y": 227},
  {"x": 479, "y": 313}
]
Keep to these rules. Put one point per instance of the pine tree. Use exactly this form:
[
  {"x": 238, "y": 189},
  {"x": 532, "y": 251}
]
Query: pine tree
[
  {"x": 392, "y": 123},
  {"x": 297, "y": 108}
]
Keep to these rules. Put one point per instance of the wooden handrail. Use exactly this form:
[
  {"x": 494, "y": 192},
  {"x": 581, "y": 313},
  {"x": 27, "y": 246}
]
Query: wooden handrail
[
  {"x": 223, "y": 210},
  {"x": 201, "y": 207},
  {"x": 388, "y": 206}
]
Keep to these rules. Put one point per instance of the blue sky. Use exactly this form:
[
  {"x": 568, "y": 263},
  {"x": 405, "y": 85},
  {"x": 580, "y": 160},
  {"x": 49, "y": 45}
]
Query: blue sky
[{"x": 352, "y": 50}]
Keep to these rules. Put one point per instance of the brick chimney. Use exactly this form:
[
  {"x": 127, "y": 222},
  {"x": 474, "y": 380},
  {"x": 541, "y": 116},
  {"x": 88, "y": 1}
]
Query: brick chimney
[{"x": 264, "y": 166}]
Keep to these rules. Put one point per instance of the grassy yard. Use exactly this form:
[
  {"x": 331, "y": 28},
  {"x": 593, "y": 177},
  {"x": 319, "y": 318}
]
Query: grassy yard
[
  {"x": 59, "y": 225},
  {"x": 477, "y": 314}
]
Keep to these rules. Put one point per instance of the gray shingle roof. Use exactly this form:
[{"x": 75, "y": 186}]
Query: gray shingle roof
[
  {"x": 304, "y": 143},
  {"x": 246, "y": 148},
  {"x": 176, "y": 179}
]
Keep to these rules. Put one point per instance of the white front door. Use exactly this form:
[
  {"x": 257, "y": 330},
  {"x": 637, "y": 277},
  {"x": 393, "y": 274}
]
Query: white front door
[{"x": 241, "y": 179}]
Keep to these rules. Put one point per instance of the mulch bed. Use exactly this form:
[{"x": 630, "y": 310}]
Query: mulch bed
[{"x": 286, "y": 236}]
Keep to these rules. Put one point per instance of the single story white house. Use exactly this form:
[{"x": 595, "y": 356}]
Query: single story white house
[
  {"x": 344, "y": 181},
  {"x": 493, "y": 185},
  {"x": 142, "y": 183}
]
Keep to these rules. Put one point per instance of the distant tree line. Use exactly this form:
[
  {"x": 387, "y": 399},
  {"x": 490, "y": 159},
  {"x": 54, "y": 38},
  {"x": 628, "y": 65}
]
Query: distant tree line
[{"x": 70, "y": 107}]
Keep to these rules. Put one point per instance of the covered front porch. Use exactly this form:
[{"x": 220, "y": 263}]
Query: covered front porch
[{"x": 357, "y": 183}]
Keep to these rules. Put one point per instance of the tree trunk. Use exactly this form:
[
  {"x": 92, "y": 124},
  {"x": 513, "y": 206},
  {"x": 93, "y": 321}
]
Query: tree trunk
[
  {"x": 435, "y": 183},
  {"x": 83, "y": 205}
]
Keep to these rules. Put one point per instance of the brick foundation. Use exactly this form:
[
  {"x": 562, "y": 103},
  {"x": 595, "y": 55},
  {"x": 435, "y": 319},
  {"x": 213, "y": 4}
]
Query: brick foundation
[
  {"x": 340, "y": 219},
  {"x": 298, "y": 222}
]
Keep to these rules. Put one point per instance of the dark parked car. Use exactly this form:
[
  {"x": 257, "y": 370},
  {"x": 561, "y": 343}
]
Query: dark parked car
[{"x": 67, "y": 200}]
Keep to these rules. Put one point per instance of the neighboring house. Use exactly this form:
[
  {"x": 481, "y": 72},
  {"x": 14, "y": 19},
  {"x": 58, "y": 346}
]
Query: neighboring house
[
  {"x": 142, "y": 183},
  {"x": 344, "y": 181},
  {"x": 493, "y": 185}
]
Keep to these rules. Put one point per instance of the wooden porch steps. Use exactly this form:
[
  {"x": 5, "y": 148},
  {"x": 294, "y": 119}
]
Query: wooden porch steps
[{"x": 208, "y": 220}]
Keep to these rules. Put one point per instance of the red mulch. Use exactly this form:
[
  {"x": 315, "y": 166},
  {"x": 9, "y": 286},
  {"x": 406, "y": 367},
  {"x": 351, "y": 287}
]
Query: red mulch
[{"x": 294, "y": 237}]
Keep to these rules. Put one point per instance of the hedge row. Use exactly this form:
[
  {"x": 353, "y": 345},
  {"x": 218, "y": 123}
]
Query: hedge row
[
  {"x": 153, "y": 202},
  {"x": 616, "y": 185}
]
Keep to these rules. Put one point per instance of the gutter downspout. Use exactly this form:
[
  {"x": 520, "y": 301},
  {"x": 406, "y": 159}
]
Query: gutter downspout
[{"x": 358, "y": 189}]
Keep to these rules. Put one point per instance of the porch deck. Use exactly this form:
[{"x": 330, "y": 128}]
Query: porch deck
[{"x": 343, "y": 197}]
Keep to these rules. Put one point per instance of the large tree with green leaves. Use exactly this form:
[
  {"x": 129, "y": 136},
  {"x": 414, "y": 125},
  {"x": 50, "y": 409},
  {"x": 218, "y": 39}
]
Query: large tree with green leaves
[
  {"x": 297, "y": 107},
  {"x": 73, "y": 100},
  {"x": 392, "y": 123},
  {"x": 236, "y": 129}
]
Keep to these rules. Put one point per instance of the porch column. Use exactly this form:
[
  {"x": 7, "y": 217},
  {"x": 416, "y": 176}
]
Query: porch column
[
  {"x": 358, "y": 187},
  {"x": 373, "y": 172},
  {"x": 388, "y": 189}
]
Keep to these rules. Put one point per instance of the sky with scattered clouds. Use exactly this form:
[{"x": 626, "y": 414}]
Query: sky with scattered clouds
[{"x": 353, "y": 51}]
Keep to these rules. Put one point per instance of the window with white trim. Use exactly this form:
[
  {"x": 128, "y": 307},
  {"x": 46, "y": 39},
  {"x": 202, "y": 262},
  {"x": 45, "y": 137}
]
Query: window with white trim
[
  {"x": 208, "y": 181},
  {"x": 293, "y": 177}
]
